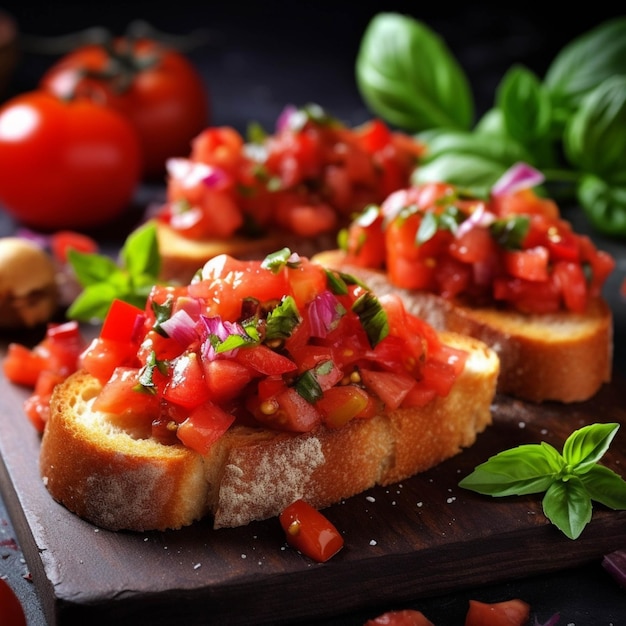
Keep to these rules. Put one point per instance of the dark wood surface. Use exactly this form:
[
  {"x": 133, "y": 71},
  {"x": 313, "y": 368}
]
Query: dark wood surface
[{"x": 420, "y": 538}]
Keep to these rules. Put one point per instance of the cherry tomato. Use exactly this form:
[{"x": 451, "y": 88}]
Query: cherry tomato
[
  {"x": 65, "y": 165},
  {"x": 156, "y": 87},
  {"x": 506, "y": 613},
  {"x": 310, "y": 532},
  {"x": 11, "y": 610}
]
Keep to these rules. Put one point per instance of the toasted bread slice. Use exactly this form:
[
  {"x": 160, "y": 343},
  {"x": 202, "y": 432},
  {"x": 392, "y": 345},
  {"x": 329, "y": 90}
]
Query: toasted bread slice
[
  {"x": 182, "y": 257},
  {"x": 562, "y": 356},
  {"x": 118, "y": 479}
]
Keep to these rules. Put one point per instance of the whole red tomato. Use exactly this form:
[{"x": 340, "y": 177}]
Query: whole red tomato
[
  {"x": 156, "y": 87},
  {"x": 65, "y": 165}
]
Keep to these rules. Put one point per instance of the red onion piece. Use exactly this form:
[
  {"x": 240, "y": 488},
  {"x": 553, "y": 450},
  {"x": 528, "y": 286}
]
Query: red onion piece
[
  {"x": 615, "y": 564},
  {"x": 517, "y": 177}
]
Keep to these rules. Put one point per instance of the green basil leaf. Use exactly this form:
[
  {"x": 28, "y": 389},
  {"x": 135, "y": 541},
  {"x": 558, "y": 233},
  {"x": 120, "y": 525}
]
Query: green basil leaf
[
  {"x": 275, "y": 261},
  {"x": 372, "y": 316},
  {"x": 140, "y": 252},
  {"x": 282, "y": 320},
  {"x": 529, "y": 468},
  {"x": 91, "y": 268},
  {"x": 586, "y": 446},
  {"x": 407, "y": 75},
  {"x": 586, "y": 62},
  {"x": 604, "y": 205},
  {"x": 93, "y": 303},
  {"x": 568, "y": 506},
  {"x": 475, "y": 173},
  {"x": 525, "y": 105},
  {"x": 510, "y": 232},
  {"x": 595, "y": 135},
  {"x": 605, "y": 486}
]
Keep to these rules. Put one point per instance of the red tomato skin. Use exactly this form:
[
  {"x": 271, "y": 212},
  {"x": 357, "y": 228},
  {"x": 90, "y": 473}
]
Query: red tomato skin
[
  {"x": 514, "y": 612},
  {"x": 406, "y": 617},
  {"x": 167, "y": 102},
  {"x": 11, "y": 610},
  {"x": 310, "y": 532},
  {"x": 72, "y": 165},
  {"x": 22, "y": 365}
]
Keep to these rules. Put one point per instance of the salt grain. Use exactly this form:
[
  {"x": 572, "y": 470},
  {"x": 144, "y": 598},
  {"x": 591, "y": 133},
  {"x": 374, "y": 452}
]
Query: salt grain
[
  {"x": 370, "y": 499},
  {"x": 373, "y": 542}
]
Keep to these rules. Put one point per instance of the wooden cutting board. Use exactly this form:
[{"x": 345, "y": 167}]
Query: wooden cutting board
[{"x": 420, "y": 538}]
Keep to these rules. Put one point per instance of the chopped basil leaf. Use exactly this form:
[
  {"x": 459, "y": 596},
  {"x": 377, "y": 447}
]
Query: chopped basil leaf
[
  {"x": 373, "y": 317},
  {"x": 279, "y": 259},
  {"x": 146, "y": 375},
  {"x": 448, "y": 219},
  {"x": 282, "y": 320},
  {"x": 162, "y": 312},
  {"x": 307, "y": 384},
  {"x": 509, "y": 232}
]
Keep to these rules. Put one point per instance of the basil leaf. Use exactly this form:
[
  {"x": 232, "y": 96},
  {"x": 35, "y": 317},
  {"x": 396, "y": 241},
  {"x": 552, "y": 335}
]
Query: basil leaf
[
  {"x": 140, "y": 252},
  {"x": 448, "y": 219},
  {"x": 568, "y": 506},
  {"x": 510, "y": 232},
  {"x": 595, "y": 135},
  {"x": 279, "y": 259},
  {"x": 93, "y": 303},
  {"x": 605, "y": 486},
  {"x": 604, "y": 205},
  {"x": 527, "y": 469},
  {"x": 372, "y": 316},
  {"x": 407, "y": 75},
  {"x": 91, "y": 268},
  {"x": 282, "y": 320},
  {"x": 584, "y": 447},
  {"x": 525, "y": 105},
  {"x": 586, "y": 62}
]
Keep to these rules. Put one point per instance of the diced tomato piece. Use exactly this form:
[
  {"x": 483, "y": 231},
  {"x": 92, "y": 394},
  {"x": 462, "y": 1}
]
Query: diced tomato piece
[
  {"x": 11, "y": 610},
  {"x": 310, "y": 532},
  {"x": 374, "y": 135},
  {"x": 219, "y": 146},
  {"x": 406, "y": 617},
  {"x": 22, "y": 365},
  {"x": 474, "y": 245},
  {"x": 204, "y": 426},
  {"x": 102, "y": 356},
  {"x": 264, "y": 360},
  {"x": 571, "y": 279},
  {"x": 341, "y": 404},
  {"x": 225, "y": 378},
  {"x": 531, "y": 264},
  {"x": 63, "y": 344},
  {"x": 364, "y": 242},
  {"x": 390, "y": 387},
  {"x": 123, "y": 322},
  {"x": 287, "y": 410},
  {"x": 37, "y": 405},
  {"x": 514, "y": 612},
  {"x": 123, "y": 394},
  {"x": 187, "y": 384}
]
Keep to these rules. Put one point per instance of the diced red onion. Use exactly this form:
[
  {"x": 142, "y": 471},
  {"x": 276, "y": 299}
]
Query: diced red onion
[
  {"x": 192, "y": 173},
  {"x": 181, "y": 327},
  {"x": 615, "y": 564},
  {"x": 517, "y": 177},
  {"x": 325, "y": 311},
  {"x": 222, "y": 329},
  {"x": 284, "y": 119},
  {"x": 478, "y": 217}
]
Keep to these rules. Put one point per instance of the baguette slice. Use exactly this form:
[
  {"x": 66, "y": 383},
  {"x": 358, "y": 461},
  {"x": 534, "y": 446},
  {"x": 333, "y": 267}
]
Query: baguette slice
[
  {"x": 182, "y": 257},
  {"x": 118, "y": 480},
  {"x": 564, "y": 357}
]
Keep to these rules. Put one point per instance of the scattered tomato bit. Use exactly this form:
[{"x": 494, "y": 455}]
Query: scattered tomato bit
[
  {"x": 310, "y": 532},
  {"x": 513, "y": 612},
  {"x": 407, "y": 617}
]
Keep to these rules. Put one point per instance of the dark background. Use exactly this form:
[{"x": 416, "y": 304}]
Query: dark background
[{"x": 260, "y": 56}]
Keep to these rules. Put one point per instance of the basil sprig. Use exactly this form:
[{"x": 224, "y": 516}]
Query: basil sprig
[
  {"x": 129, "y": 278},
  {"x": 570, "y": 124},
  {"x": 570, "y": 480}
]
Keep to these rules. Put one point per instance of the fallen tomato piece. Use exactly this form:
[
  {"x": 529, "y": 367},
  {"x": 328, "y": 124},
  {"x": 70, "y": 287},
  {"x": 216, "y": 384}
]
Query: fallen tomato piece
[
  {"x": 513, "y": 612},
  {"x": 406, "y": 617},
  {"x": 310, "y": 532}
]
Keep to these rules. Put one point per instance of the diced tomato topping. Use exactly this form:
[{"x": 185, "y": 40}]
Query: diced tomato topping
[
  {"x": 124, "y": 394},
  {"x": 310, "y": 532},
  {"x": 341, "y": 404},
  {"x": 510, "y": 250},
  {"x": 308, "y": 177},
  {"x": 22, "y": 365}
]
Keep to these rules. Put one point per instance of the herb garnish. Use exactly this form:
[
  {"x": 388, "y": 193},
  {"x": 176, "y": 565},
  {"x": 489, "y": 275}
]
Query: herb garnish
[{"x": 570, "y": 480}]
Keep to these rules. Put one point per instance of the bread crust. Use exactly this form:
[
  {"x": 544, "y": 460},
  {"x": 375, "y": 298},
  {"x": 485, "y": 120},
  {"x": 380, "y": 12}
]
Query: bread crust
[
  {"x": 563, "y": 357},
  {"x": 104, "y": 474},
  {"x": 182, "y": 257}
]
